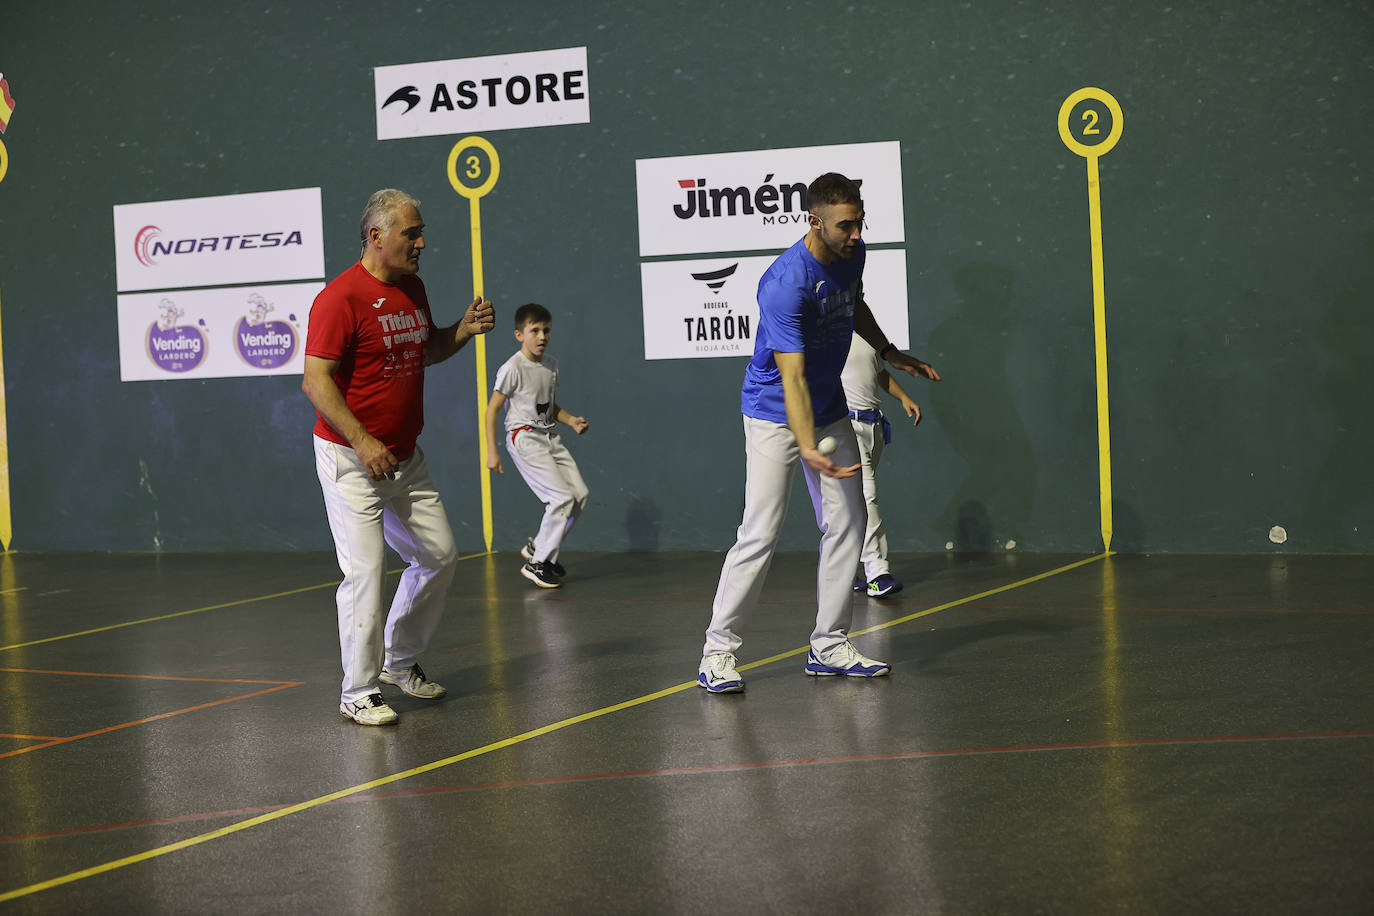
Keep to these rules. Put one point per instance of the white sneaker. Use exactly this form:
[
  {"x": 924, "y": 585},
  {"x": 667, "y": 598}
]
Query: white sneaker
[
  {"x": 413, "y": 682},
  {"x": 370, "y": 710},
  {"x": 718, "y": 675},
  {"x": 846, "y": 660}
]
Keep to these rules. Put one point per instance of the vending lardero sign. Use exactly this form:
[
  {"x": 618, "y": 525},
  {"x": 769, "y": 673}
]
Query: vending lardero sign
[
  {"x": 755, "y": 201},
  {"x": 214, "y": 333},
  {"x": 240, "y": 243}
]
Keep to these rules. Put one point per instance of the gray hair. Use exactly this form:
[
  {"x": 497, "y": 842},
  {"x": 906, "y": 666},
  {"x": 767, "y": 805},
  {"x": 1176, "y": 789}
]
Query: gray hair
[{"x": 381, "y": 210}]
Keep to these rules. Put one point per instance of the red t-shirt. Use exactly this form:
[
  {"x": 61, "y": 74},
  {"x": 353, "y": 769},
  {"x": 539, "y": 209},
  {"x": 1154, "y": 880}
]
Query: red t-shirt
[{"x": 377, "y": 332}]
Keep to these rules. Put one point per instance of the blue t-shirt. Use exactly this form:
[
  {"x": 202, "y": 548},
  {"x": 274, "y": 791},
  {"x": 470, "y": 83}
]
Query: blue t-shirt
[{"x": 804, "y": 307}]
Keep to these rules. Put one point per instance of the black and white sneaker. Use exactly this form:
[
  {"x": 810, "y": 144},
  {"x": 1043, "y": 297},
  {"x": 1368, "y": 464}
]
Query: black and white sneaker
[
  {"x": 553, "y": 565},
  {"x": 413, "y": 682},
  {"x": 541, "y": 575},
  {"x": 370, "y": 710}
]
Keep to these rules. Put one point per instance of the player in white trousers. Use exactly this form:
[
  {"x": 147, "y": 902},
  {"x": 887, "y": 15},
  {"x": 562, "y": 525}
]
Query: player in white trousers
[
  {"x": 371, "y": 336},
  {"x": 771, "y": 459},
  {"x": 527, "y": 387},
  {"x": 863, "y": 377},
  {"x": 810, "y": 305},
  {"x": 405, "y": 512}
]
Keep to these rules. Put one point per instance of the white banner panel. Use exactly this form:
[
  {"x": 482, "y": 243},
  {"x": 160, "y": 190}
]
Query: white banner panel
[
  {"x": 214, "y": 333},
  {"x": 217, "y": 241},
  {"x": 708, "y": 307},
  {"x": 756, "y": 201},
  {"x": 533, "y": 89}
]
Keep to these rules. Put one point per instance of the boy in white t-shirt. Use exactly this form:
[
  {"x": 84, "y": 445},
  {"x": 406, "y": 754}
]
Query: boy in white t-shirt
[
  {"x": 525, "y": 385},
  {"x": 864, "y": 377}
]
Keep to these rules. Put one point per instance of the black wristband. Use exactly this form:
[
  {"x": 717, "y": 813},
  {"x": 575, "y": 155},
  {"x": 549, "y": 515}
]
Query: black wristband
[{"x": 882, "y": 354}]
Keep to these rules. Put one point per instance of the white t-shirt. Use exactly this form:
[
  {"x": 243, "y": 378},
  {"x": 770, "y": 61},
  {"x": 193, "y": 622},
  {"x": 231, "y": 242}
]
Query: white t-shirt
[
  {"x": 860, "y": 375},
  {"x": 529, "y": 388}
]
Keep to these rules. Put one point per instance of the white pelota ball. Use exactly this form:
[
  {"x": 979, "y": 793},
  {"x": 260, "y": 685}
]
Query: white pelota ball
[{"x": 827, "y": 445}]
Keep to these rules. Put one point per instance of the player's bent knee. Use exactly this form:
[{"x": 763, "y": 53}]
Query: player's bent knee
[{"x": 446, "y": 560}]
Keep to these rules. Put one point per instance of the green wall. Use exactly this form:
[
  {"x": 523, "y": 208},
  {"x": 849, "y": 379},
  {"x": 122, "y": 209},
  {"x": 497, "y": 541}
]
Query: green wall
[{"x": 1237, "y": 223}]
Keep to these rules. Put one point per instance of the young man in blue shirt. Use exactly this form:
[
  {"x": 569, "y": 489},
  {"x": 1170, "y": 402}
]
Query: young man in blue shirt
[{"x": 810, "y": 304}]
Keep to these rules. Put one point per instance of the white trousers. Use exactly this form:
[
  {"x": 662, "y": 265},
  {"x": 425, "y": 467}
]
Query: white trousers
[
  {"x": 364, "y": 516},
  {"x": 874, "y": 554},
  {"x": 549, "y": 470},
  {"x": 771, "y": 456}
]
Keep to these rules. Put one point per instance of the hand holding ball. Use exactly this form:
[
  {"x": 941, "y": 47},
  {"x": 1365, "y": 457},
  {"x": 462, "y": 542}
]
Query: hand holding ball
[{"x": 827, "y": 445}]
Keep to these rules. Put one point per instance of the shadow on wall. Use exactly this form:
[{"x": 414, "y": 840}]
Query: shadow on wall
[
  {"x": 978, "y": 413},
  {"x": 1128, "y": 528},
  {"x": 642, "y": 523},
  {"x": 1343, "y": 480},
  {"x": 972, "y": 529}
]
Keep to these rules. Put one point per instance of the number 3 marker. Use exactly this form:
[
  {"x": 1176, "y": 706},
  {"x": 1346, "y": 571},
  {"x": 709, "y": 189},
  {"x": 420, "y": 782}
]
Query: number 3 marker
[{"x": 475, "y": 152}]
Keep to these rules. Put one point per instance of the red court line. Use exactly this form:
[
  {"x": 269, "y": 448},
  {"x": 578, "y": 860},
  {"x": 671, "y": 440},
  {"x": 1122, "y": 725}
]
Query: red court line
[
  {"x": 31, "y": 737},
  {"x": 714, "y": 768},
  {"x": 1127, "y": 609},
  {"x": 146, "y": 677},
  {"x": 162, "y": 715}
]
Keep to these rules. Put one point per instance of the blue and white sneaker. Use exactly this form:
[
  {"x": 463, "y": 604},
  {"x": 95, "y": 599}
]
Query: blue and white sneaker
[
  {"x": 718, "y": 675},
  {"x": 860, "y": 582},
  {"x": 845, "y": 660},
  {"x": 882, "y": 586}
]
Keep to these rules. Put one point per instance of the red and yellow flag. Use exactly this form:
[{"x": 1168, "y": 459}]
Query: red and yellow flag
[{"x": 6, "y": 104}]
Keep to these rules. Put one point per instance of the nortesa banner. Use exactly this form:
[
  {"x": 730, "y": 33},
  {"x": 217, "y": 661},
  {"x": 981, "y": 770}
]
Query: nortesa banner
[{"x": 218, "y": 241}]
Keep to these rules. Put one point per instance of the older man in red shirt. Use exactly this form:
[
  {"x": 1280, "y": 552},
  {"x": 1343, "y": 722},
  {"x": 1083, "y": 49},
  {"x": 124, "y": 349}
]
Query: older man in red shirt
[{"x": 371, "y": 336}]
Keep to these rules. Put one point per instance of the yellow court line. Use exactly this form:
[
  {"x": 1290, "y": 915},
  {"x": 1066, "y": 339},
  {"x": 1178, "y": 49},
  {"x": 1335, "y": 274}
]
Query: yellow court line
[
  {"x": 475, "y": 752},
  {"x": 199, "y": 610},
  {"x": 935, "y": 610}
]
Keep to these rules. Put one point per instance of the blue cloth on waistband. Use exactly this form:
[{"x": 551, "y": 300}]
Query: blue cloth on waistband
[{"x": 874, "y": 416}]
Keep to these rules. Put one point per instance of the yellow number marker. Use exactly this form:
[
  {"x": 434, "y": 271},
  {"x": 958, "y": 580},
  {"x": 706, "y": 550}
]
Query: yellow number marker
[
  {"x": 473, "y": 168},
  {"x": 1090, "y": 130}
]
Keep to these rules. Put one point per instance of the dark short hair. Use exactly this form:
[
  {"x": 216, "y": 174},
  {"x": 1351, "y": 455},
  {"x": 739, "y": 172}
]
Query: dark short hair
[
  {"x": 830, "y": 189},
  {"x": 529, "y": 313}
]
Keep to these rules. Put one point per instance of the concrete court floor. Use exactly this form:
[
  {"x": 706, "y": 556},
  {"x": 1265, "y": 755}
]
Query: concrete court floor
[{"x": 1161, "y": 734}]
